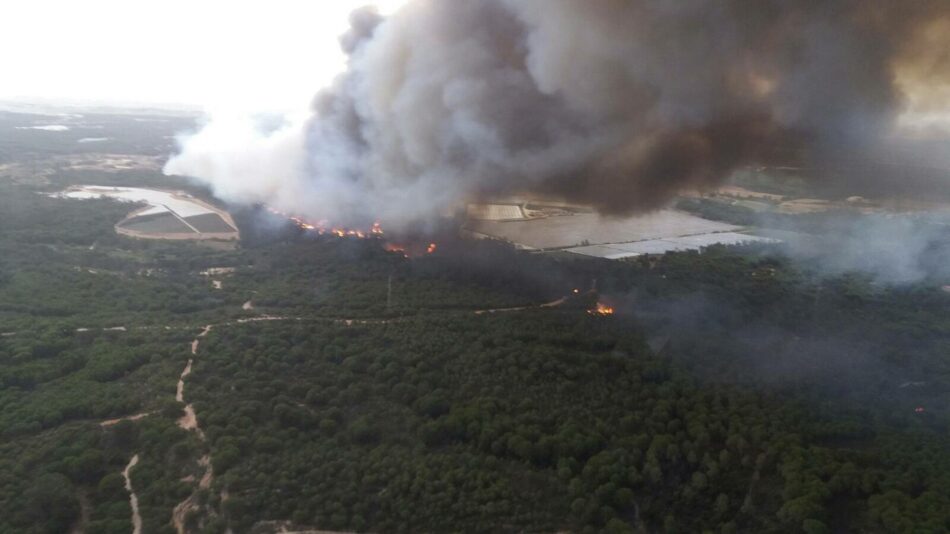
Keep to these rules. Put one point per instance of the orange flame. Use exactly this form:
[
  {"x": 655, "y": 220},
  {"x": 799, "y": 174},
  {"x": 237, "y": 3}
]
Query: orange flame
[
  {"x": 601, "y": 309},
  {"x": 322, "y": 227},
  {"x": 374, "y": 232}
]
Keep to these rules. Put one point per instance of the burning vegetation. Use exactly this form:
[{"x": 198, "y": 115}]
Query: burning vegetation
[
  {"x": 412, "y": 248},
  {"x": 601, "y": 309},
  {"x": 323, "y": 227}
]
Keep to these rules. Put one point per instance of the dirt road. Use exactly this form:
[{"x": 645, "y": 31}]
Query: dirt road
[
  {"x": 136, "y": 417},
  {"x": 133, "y": 498},
  {"x": 189, "y": 422},
  {"x": 553, "y": 304},
  {"x": 180, "y": 393}
]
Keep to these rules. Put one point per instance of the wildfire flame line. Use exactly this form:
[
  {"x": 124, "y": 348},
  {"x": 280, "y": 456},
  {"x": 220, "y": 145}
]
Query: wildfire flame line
[{"x": 323, "y": 227}]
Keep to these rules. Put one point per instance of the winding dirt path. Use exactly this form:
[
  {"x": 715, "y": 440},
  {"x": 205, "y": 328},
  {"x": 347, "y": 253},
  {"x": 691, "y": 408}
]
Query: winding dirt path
[
  {"x": 181, "y": 511},
  {"x": 553, "y": 304},
  {"x": 133, "y": 498},
  {"x": 189, "y": 422},
  {"x": 136, "y": 417},
  {"x": 180, "y": 393},
  {"x": 249, "y": 306}
]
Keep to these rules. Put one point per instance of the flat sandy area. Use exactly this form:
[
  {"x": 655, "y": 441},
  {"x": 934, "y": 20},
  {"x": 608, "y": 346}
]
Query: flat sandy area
[{"x": 592, "y": 229}]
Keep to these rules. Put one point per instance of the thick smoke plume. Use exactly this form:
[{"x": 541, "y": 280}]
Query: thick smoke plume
[{"x": 619, "y": 104}]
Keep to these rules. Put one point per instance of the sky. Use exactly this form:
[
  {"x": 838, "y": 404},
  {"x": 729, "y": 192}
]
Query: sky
[{"x": 261, "y": 55}]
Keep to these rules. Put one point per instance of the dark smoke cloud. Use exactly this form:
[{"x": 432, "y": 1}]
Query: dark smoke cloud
[{"x": 616, "y": 103}]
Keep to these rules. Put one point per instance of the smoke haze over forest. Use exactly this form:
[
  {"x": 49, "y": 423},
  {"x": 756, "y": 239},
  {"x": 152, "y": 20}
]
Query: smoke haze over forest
[{"x": 615, "y": 103}]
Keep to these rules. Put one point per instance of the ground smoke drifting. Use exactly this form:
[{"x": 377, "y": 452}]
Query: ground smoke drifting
[
  {"x": 615, "y": 103},
  {"x": 890, "y": 250}
]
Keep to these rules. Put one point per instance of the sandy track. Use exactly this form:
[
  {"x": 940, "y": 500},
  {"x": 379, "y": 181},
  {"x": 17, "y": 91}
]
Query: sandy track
[
  {"x": 180, "y": 393},
  {"x": 189, "y": 422},
  {"x": 181, "y": 511},
  {"x": 248, "y": 306},
  {"x": 276, "y": 318},
  {"x": 133, "y": 498},
  {"x": 553, "y": 304},
  {"x": 136, "y": 417}
]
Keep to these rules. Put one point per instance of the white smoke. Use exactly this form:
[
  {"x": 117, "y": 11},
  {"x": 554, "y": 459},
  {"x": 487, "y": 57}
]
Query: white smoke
[
  {"x": 889, "y": 249},
  {"x": 616, "y": 103},
  {"x": 243, "y": 164}
]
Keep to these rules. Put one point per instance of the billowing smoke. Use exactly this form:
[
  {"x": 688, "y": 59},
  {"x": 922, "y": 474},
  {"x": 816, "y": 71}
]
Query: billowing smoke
[{"x": 619, "y": 104}]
